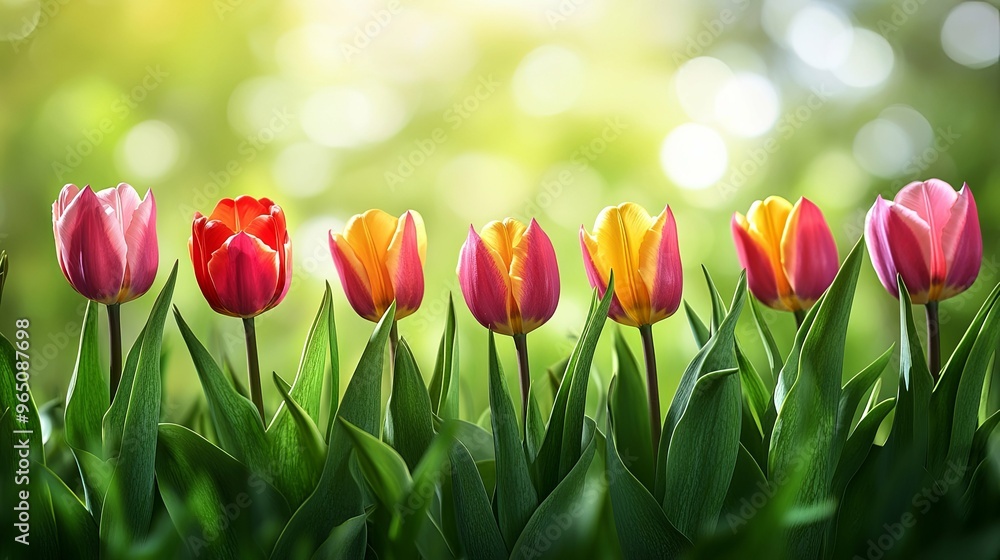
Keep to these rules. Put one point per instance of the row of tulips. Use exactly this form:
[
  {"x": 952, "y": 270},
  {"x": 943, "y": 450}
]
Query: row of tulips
[{"x": 106, "y": 244}]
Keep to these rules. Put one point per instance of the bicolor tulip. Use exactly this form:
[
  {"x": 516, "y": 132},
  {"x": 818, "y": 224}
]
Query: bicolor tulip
[
  {"x": 509, "y": 276},
  {"x": 106, "y": 241},
  {"x": 929, "y": 235},
  {"x": 788, "y": 252},
  {"x": 380, "y": 258},
  {"x": 242, "y": 256},
  {"x": 642, "y": 251}
]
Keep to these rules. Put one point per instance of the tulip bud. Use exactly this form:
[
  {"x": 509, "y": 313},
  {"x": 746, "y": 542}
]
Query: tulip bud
[
  {"x": 509, "y": 276},
  {"x": 242, "y": 256},
  {"x": 929, "y": 235},
  {"x": 788, "y": 252},
  {"x": 106, "y": 242},
  {"x": 643, "y": 253},
  {"x": 380, "y": 258}
]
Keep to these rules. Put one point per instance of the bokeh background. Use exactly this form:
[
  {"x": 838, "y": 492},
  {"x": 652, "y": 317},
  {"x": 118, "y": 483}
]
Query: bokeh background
[{"x": 469, "y": 111}]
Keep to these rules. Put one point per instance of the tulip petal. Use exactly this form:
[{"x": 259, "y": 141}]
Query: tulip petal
[
  {"x": 808, "y": 253},
  {"x": 619, "y": 232},
  {"x": 404, "y": 264},
  {"x": 369, "y": 235},
  {"x": 534, "y": 278},
  {"x": 143, "y": 255},
  {"x": 962, "y": 244},
  {"x": 909, "y": 243},
  {"x": 245, "y": 273},
  {"x": 200, "y": 254},
  {"x": 484, "y": 285},
  {"x": 122, "y": 201},
  {"x": 353, "y": 278},
  {"x": 930, "y": 202},
  {"x": 599, "y": 279},
  {"x": 877, "y": 240},
  {"x": 93, "y": 248},
  {"x": 660, "y": 266},
  {"x": 285, "y": 273},
  {"x": 761, "y": 279}
]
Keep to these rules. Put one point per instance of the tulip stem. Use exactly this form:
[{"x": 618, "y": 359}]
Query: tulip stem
[
  {"x": 800, "y": 316},
  {"x": 933, "y": 340},
  {"x": 253, "y": 367},
  {"x": 652, "y": 384},
  {"x": 521, "y": 345},
  {"x": 115, "y": 326}
]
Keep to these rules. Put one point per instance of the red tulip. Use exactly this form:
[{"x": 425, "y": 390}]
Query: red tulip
[
  {"x": 242, "y": 256},
  {"x": 106, "y": 241},
  {"x": 509, "y": 276},
  {"x": 788, "y": 252},
  {"x": 929, "y": 235},
  {"x": 380, "y": 258}
]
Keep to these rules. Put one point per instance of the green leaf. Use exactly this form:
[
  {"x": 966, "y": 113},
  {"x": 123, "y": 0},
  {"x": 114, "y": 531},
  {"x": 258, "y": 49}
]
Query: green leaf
[
  {"x": 77, "y": 530},
  {"x": 854, "y": 391},
  {"x": 980, "y": 442},
  {"x": 757, "y": 396},
  {"x": 770, "y": 346},
  {"x": 235, "y": 419},
  {"x": 444, "y": 383},
  {"x": 515, "y": 496},
  {"x": 718, "y": 306},
  {"x": 337, "y": 497},
  {"x": 412, "y": 519},
  {"x": 719, "y": 354},
  {"x": 4, "y": 272},
  {"x": 408, "y": 425},
  {"x": 199, "y": 482},
  {"x": 554, "y": 510},
  {"x": 87, "y": 399},
  {"x": 643, "y": 529},
  {"x": 346, "y": 541},
  {"x": 477, "y": 529},
  {"x": 629, "y": 405},
  {"x": 383, "y": 468},
  {"x": 96, "y": 476},
  {"x": 310, "y": 442},
  {"x": 698, "y": 328},
  {"x": 910, "y": 426},
  {"x": 129, "y": 502},
  {"x": 803, "y": 440},
  {"x": 295, "y": 473},
  {"x": 790, "y": 371},
  {"x": 702, "y": 454},
  {"x": 857, "y": 447},
  {"x": 113, "y": 423},
  {"x": 561, "y": 447},
  {"x": 534, "y": 425},
  {"x": 476, "y": 440},
  {"x": 747, "y": 481}
]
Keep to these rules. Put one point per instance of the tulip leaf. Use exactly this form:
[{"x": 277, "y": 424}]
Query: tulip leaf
[
  {"x": 719, "y": 354},
  {"x": 698, "y": 328},
  {"x": 553, "y": 511},
  {"x": 444, "y": 384},
  {"x": 411, "y": 515},
  {"x": 702, "y": 453},
  {"x": 757, "y": 396},
  {"x": 87, "y": 399},
  {"x": 643, "y": 529},
  {"x": 910, "y": 426},
  {"x": 129, "y": 501},
  {"x": 747, "y": 482},
  {"x": 853, "y": 392},
  {"x": 803, "y": 440},
  {"x": 337, "y": 497},
  {"x": 477, "y": 529},
  {"x": 770, "y": 346},
  {"x": 790, "y": 370},
  {"x": 113, "y": 423},
  {"x": 95, "y": 475},
  {"x": 77, "y": 530},
  {"x": 293, "y": 470},
  {"x": 561, "y": 446},
  {"x": 4, "y": 272},
  {"x": 198, "y": 481},
  {"x": 347, "y": 541},
  {"x": 408, "y": 425},
  {"x": 955, "y": 401},
  {"x": 235, "y": 419},
  {"x": 383, "y": 468},
  {"x": 981, "y": 440},
  {"x": 859, "y": 444},
  {"x": 718, "y": 305},
  {"x": 515, "y": 496},
  {"x": 630, "y": 408},
  {"x": 309, "y": 441},
  {"x": 534, "y": 425},
  {"x": 477, "y": 441}
]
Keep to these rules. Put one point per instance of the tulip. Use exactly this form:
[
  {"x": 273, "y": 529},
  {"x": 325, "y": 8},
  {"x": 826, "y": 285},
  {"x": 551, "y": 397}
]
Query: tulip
[
  {"x": 107, "y": 250},
  {"x": 510, "y": 280},
  {"x": 788, "y": 252},
  {"x": 929, "y": 235},
  {"x": 242, "y": 258},
  {"x": 643, "y": 254}
]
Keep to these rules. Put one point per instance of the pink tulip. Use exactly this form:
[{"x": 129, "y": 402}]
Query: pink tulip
[
  {"x": 509, "y": 276},
  {"x": 929, "y": 235},
  {"x": 106, "y": 241}
]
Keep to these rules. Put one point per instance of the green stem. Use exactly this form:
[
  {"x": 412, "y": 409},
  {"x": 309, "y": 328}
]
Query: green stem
[
  {"x": 933, "y": 339},
  {"x": 800, "y": 316},
  {"x": 652, "y": 384},
  {"x": 115, "y": 326},
  {"x": 521, "y": 345},
  {"x": 253, "y": 367},
  {"x": 393, "y": 346}
]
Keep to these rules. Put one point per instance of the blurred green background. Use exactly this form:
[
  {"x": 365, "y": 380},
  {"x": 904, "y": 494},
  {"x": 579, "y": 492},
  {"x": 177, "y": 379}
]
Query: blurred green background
[{"x": 471, "y": 111}]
